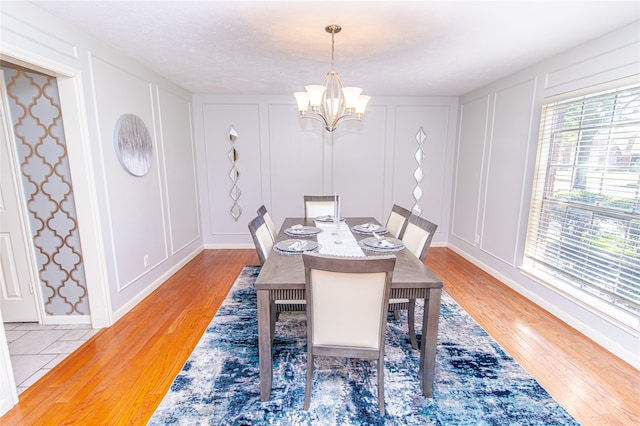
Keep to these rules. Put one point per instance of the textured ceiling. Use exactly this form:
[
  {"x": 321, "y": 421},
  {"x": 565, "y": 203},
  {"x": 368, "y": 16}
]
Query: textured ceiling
[{"x": 425, "y": 48}]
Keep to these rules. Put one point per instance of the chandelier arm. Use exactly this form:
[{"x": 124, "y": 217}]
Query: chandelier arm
[
  {"x": 318, "y": 117},
  {"x": 343, "y": 118}
]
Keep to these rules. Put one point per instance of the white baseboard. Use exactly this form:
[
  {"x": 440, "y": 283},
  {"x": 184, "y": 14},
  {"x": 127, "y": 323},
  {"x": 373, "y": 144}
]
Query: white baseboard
[
  {"x": 219, "y": 246},
  {"x": 157, "y": 283},
  {"x": 66, "y": 319}
]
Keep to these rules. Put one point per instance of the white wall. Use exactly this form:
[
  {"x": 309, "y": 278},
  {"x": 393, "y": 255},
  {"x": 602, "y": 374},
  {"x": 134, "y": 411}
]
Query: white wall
[
  {"x": 281, "y": 158},
  {"x": 122, "y": 218},
  {"x": 494, "y": 166}
]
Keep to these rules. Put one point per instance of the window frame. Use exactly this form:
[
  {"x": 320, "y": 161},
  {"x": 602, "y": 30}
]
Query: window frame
[{"x": 552, "y": 275}]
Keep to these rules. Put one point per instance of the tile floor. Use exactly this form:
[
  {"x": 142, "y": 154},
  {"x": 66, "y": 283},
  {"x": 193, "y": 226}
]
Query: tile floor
[{"x": 35, "y": 349}]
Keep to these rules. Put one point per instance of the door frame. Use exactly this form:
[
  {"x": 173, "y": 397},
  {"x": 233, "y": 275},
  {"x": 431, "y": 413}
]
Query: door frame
[{"x": 77, "y": 135}]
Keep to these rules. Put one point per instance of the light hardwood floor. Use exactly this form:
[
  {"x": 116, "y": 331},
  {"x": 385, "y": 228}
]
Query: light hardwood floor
[{"x": 121, "y": 374}]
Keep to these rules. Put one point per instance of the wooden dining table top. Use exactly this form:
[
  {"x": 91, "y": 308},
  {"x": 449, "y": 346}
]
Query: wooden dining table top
[{"x": 282, "y": 271}]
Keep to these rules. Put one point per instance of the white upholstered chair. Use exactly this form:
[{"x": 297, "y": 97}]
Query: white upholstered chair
[
  {"x": 416, "y": 238},
  {"x": 347, "y": 301},
  {"x": 397, "y": 220},
  {"x": 319, "y": 205},
  {"x": 262, "y": 238},
  {"x": 262, "y": 211},
  {"x": 418, "y": 235}
]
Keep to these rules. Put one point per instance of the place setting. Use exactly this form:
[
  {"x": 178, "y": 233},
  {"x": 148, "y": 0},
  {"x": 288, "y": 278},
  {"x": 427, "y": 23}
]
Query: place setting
[
  {"x": 292, "y": 247},
  {"x": 369, "y": 229},
  {"x": 302, "y": 231},
  {"x": 335, "y": 217},
  {"x": 380, "y": 243},
  {"x": 327, "y": 219}
]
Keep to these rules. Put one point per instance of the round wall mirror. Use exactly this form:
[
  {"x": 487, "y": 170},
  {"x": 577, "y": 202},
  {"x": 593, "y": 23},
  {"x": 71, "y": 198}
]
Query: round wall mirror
[{"x": 133, "y": 144}]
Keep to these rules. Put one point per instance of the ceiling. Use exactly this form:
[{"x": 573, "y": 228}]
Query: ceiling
[{"x": 401, "y": 48}]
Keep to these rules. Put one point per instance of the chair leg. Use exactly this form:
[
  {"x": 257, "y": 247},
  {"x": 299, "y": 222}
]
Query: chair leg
[
  {"x": 309, "y": 382},
  {"x": 273, "y": 318},
  {"x": 411, "y": 323},
  {"x": 396, "y": 315},
  {"x": 381, "y": 385}
]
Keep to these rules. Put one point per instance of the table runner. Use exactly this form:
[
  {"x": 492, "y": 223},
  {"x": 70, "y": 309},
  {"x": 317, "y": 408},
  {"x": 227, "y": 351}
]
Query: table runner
[{"x": 347, "y": 246}]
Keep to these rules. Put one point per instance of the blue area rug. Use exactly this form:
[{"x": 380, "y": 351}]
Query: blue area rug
[{"x": 476, "y": 382}]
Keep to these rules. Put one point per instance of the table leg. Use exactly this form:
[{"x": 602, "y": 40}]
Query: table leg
[
  {"x": 429, "y": 341},
  {"x": 264, "y": 344}
]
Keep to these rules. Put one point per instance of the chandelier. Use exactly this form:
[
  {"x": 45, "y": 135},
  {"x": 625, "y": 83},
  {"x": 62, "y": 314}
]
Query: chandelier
[{"x": 331, "y": 103}]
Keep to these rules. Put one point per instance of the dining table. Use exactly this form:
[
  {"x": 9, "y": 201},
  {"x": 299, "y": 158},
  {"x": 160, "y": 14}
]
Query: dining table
[{"x": 282, "y": 277}]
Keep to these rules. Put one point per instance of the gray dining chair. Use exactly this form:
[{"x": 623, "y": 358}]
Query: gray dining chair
[
  {"x": 262, "y": 211},
  {"x": 264, "y": 242},
  {"x": 262, "y": 238},
  {"x": 347, "y": 302},
  {"x": 416, "y": 238},
  {"x": 319, "y": 205},
  {"x": 396, "y": 224},
  {"x": 397, "y": 220}
]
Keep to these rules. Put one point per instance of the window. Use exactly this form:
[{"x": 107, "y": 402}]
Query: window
[{"x": 584, "y": 224}]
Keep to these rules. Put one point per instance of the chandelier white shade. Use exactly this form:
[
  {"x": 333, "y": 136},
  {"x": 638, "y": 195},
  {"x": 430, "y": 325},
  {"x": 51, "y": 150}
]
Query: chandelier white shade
[{"x": 331, "y": 103}]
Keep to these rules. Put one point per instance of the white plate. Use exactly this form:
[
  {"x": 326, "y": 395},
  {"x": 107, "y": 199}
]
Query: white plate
[
  {"x": 302, "y": 231},
  {"x": 369, "y": 228},
  {"x": 296, "y": 246},
  {"x": 328, "y": 218},
  {"x": 383, "y": 243}
]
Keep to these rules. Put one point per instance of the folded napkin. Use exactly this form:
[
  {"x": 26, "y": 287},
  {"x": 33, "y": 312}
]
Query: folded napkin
[
  {"x": 370, "y": 227},
  {"x": 298, "y": 245},
  {"x": 297, "y": 228},
  {"x": 386, "y": 244}
]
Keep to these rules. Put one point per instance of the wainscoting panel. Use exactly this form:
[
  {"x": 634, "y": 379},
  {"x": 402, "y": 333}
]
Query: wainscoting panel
[
  {"x": 180, "y": 169},
  {"x": 39, "y": 38},
  {"x": 296, "y": 151},
  {"x": 136, "y": 211},
  {"x": 359, "y": 165},
  {"x": 594, "y": 67},
  {"x": 434, "y": 121},
  {"x": 469, "y": 166},
  {"x": 508, "y": 147},
  {"x": 218, "y": 119}
]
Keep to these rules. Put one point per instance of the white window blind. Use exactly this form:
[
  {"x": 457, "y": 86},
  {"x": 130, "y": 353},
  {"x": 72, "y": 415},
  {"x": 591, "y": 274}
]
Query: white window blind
[{"x": 584, "y": 223}]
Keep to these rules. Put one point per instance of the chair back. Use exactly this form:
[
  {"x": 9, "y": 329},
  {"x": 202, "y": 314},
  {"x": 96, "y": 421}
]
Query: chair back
[
  {"x": 397, "y": 221},
  {"x": 347, "y": 302},
  {"x": 261, "y": 238},
  {"x": 319, "y": 205},
  {"x": 418, "y": 235},
  {"x": 262, "y": 211}
]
